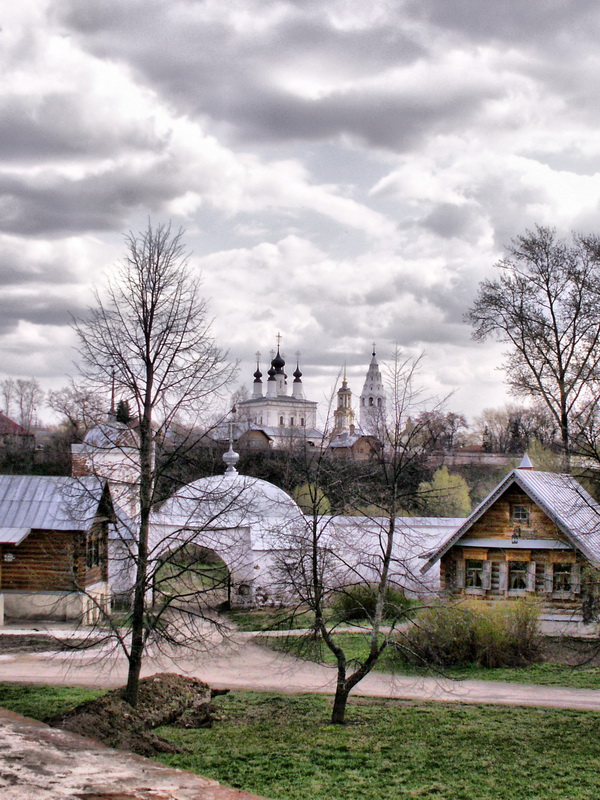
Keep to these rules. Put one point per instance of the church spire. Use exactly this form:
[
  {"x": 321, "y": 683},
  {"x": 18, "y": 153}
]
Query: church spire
[{"x": 373, "y": 397}]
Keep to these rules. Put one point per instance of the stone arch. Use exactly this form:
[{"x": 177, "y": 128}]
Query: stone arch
[{"x": 193, "y": 570}]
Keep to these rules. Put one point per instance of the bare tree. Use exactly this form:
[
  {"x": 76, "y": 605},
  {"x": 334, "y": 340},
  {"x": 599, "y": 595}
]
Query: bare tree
[
  {"x": 80, "y": 407},
  {"x": 369, "y": 557},
  {"x": 545, "y": 306},
  {"x": 150, "y": 334},
  {"x": 9, "y": 389},
  {"x": 514, "y": 428},
  {"x": 27, "y": 395}
]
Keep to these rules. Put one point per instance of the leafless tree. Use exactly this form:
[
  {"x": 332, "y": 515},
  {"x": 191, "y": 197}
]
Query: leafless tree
[
  {"x": 29, "y": 397},
  {"x": 80, "y": 408},
  {"x": 364, "y": 556},
  {"x": 9, "y": 389},
  {"x": 513, "y": 428},
  {"x": 545, "y": 306},
  {"x": 150, "y": 333}
]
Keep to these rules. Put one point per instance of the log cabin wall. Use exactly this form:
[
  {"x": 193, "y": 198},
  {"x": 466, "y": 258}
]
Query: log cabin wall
[
  {"x": 44, "y": 561},
  {"x": 50, "y": 560},
  {"x": 498, "y": 521},
  {"x": 507, "y": 571}
]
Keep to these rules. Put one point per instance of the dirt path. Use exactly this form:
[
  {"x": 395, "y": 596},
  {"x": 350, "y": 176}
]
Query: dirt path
[{"x": 244, "y": 665}]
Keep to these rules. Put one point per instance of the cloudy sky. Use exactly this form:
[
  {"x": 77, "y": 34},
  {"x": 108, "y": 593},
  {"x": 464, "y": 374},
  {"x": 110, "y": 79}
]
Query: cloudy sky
[{"x": 346, "y": 172}]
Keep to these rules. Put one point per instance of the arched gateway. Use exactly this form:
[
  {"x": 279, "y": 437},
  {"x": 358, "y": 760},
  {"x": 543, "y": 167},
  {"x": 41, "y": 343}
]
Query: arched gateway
[{"x": 243, "y": 520}]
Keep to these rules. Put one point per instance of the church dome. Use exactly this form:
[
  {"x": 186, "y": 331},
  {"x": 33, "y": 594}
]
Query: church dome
[
  {"x": 278, "y": 362},
  {"x": 229, "y": 501},
  {"x": 110, "y": 434}
]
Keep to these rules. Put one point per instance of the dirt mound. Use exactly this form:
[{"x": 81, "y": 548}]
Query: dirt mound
[{"x": 164, "y": 699}]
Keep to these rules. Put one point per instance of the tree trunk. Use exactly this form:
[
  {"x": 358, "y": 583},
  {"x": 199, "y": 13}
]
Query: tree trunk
[
  {"x": 136, "y": 652},
  {"x": 338, "y": 715}
]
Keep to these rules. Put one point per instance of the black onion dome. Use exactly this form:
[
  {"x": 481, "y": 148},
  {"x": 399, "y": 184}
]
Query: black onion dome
[
  {"x": 278, "y": 362},
  {"x": 271, "y": 373},
  {"x": 257, "y": 376},
  {"x": 297, "y": 375}
]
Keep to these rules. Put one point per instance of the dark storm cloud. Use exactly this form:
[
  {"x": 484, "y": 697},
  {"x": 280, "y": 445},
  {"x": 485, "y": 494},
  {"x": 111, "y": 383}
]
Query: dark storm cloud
[
  {"x": 36, "y": 310},
  {"x": 536, "y": 22},
  {"x": 232, "y": 76},
  {"x": 192, "y": 47},
  {"x": 53, "y": 204},
  {"x": 61, "y": 125},
  {"x": 16, "y": 269},
  {"x": 449, "y": 219},
  {"x": 381, "y": 119}
]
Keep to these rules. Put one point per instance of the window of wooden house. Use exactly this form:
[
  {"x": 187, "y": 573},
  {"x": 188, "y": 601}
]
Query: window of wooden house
[
  {"x": 517, "y": 576},
  {"x": 473, "y": 574},
  {"x": 520, "y": 515},
  {"x": 92, "y": 555},
  {"x": 562, "y": 578}
]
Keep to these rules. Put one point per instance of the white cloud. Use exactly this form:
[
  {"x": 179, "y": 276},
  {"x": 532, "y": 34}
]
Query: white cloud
[{"x": 345, "y": 171}]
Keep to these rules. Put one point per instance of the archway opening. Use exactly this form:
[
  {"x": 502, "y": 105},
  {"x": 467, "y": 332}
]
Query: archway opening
[{"x": 192, "y": 575}]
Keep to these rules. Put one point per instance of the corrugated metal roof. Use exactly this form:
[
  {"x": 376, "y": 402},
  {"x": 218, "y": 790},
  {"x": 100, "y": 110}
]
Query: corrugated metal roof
[
  {"x": 50, "y": 502},
  {"x": 13, "y": 535},
  {"x": 561, "y": 497}
]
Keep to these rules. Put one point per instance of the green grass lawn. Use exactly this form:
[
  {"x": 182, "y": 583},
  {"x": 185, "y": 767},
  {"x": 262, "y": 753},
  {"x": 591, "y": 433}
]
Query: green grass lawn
[
  {"x": 40, "y": 701},
  {"x": 284, "y": 748},
  {"x": 269, "y": 619},
  {"x": 355, "y": 645}
]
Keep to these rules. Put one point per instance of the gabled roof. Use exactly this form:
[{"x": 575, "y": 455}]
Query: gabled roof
[
  {"x": 8, "y": 426},
  {"x": 560, "y": 497},
  {"x": 47, "y": 502}
]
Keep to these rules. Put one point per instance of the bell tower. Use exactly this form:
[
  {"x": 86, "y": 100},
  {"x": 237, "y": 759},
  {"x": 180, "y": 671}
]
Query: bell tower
[
  {"x": 343, "y": 415},
  {"x": 372, "y": 398}
]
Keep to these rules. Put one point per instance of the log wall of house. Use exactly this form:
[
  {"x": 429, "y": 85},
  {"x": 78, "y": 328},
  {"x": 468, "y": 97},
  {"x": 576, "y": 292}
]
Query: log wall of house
[
  {"x": 44, "y": 561},
  {"x": 541, "y": 566},
  {"x": 54, "y": 561},
  {"x": 497, "y": 522}
]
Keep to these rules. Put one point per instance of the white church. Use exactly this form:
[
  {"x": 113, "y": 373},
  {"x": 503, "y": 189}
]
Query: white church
[{"x": 273, "y": 417}]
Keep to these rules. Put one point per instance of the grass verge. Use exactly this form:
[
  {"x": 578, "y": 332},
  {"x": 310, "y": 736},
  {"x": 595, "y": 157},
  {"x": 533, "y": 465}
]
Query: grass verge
[
  {"x": 355, "y": 647},
  {"x": 284, "y": 748},
  {"x": 40, "y": 701}
]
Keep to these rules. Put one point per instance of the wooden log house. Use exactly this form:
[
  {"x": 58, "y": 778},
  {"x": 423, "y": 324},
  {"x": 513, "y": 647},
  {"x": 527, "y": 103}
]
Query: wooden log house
[
  {"x": 537, "y": 534},
  {"x": 54, "y": 547}
]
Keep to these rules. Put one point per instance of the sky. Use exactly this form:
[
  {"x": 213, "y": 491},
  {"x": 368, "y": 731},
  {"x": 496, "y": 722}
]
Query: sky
[{"x": 346, "y": 172}]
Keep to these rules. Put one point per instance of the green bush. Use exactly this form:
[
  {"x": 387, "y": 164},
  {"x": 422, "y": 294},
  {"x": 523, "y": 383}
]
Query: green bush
[
  {"x": 504, "y": 634},
  {"x": 358, "y": 603}
]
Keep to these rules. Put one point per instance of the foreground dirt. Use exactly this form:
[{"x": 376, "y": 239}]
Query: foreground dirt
[
  {"x": 164, "y": 699},
  {"x": 43, "y": 763}
]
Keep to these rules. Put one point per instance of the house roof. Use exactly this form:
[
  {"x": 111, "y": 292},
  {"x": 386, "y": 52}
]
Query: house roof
[
  {"x": 47, "y": 502},
  {"x": 8, "y": 426},
  {"x": 347, "y": 439},
  {"x": 560, "y": 497}
]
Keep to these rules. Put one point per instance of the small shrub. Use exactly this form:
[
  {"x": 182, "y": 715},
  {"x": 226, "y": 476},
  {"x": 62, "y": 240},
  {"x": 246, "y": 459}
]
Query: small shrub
[
  {"x": 500, "y": 635},
  {"x": 358, "y": 602}
]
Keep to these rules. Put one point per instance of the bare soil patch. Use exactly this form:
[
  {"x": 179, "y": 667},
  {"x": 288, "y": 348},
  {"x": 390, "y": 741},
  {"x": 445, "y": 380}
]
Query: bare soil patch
[
  {"x": 164, "y": 699},
  {"x": 570, "y": 651},
  {"x": 42, "y": 643}
]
